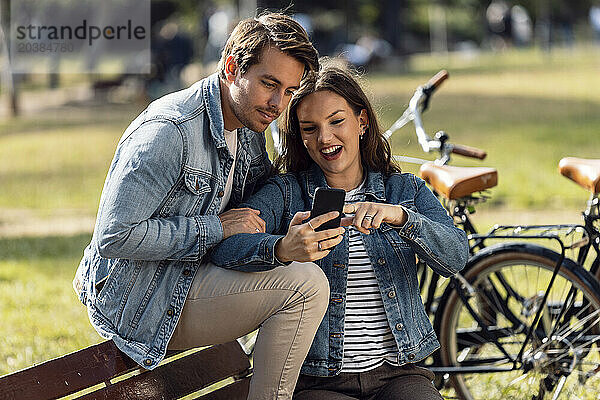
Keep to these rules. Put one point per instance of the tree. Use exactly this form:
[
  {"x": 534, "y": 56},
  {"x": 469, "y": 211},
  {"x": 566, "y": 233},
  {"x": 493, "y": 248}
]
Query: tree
[{"x": 7, "y": 78}]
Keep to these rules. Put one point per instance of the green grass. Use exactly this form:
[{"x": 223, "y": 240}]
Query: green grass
[
  {"x": 59, "y": 160},
  {"x": 63, "y": 168},
  {"x": 41, "y": 315}
]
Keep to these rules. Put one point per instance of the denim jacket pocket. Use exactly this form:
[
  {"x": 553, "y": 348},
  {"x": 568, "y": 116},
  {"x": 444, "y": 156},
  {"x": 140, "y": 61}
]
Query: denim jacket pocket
[
  {"x": 110, "y": 290},
  {"x": 196, "y": 183},
  {"x": 189, "y": 195},
  {"x": 107, "y": 283}
]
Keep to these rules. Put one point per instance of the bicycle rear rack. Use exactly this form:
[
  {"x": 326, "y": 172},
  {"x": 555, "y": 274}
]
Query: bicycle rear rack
[{"x": 568, "y": 236}]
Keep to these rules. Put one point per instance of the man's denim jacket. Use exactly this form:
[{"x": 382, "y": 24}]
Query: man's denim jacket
[
  {"x": 429, "y": 233},
  {"x": 158, "y": 217}
]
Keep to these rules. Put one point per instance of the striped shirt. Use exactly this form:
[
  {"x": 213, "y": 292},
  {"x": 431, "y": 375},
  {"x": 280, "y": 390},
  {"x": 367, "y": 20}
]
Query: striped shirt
[{"x": 368, "y": 340}]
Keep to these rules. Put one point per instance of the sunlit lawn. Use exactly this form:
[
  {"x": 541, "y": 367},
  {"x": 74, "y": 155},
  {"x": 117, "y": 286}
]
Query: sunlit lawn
[
  {"x": 525, "y": 109},
  {"x": 41, "y": 317},
  {"x": 59, "y": 159}
]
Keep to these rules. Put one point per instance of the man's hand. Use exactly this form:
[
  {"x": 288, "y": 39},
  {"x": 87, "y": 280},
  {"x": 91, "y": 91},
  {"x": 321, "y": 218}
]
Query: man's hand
[
  {"x": 241, "y": 220},
  {"x": 302, "y": 243}
]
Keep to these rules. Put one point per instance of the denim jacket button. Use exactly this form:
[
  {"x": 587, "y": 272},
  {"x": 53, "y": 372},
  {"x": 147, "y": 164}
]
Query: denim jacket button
[
  {"x": 411, "y": 356},
  {"x": 381, "y": 261},
  {"x": 147, "y": 362},
  {"x": 391, "y": 294},
  {"x": 186, "y": 272},
  {"x": 399, "y": 327},
  {"x": 221, "y": 193},
  {"x": 170, "y": 312}
]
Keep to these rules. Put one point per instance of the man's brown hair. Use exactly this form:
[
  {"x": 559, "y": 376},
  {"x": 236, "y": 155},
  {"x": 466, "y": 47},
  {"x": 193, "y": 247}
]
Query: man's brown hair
[{"x": 251, "y": 36}]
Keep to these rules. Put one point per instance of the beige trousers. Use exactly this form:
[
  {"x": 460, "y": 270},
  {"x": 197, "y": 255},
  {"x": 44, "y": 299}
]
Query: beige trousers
[{"x": 286, "y": 303}]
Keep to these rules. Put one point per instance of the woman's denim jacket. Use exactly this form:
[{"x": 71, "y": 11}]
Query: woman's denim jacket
[
  {"x": 429, "y": 233},
  {"x": 158, "y": 217}
]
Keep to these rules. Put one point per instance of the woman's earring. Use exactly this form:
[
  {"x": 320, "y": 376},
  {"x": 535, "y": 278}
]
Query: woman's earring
[{"x": 364, "y": 130}]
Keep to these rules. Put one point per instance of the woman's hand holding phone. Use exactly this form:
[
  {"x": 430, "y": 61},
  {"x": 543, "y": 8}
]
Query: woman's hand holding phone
[
  {"x": 369, "y": 215},
  {"x": 303, "y": 243}
]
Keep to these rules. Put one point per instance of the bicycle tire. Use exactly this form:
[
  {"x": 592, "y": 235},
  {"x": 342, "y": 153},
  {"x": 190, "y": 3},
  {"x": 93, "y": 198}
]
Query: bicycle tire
[{"x": 571, "y": 351}]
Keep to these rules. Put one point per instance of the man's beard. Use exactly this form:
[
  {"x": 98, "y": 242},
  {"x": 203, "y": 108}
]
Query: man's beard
[{"x": 245, "y": 114}]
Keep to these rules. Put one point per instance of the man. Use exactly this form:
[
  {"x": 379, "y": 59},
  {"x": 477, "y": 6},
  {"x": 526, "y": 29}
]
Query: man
[{"x": 177, "y": 166}]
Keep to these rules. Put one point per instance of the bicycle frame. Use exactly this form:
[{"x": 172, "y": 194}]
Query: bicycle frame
[
  {"x": 590, "y": 216},
  {"x": 518, "y": 230}
]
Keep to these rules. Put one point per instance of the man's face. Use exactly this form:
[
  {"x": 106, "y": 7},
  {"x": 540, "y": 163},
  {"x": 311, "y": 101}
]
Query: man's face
[{"x": 258, "y": 96}]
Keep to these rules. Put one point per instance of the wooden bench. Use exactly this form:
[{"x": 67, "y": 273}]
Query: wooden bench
[{"x": 102, "y": 371}]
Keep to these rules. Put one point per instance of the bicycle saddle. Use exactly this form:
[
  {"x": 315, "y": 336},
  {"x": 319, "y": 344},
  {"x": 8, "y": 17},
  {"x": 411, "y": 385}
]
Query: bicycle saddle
[
  {"x": 584, "y": 172},
  {"x": 456, "y": 182}
]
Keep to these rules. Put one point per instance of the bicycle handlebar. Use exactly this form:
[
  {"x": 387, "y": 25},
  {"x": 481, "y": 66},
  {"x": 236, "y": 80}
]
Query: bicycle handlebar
[
  {"x": 416, "y": 106},
  {"x": 468, "y": 151},
  {"x": 431, "y": 86},
  {"x": 433, "y": 83}
]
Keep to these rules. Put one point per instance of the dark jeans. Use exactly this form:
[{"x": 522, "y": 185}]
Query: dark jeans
[{"x": 387, "y": 382}]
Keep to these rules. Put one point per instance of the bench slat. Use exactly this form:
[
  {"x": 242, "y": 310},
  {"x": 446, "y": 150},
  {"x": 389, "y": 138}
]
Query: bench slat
[
  {"x": 180, "y": 377},
  {"x": 67, "y": 374},
  {"x": 88, "y": 367},
  {"x": 235, "y": 391}
]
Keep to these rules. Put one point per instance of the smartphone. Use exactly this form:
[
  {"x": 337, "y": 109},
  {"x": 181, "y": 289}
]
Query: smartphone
[{"x": 326, "y": 200}]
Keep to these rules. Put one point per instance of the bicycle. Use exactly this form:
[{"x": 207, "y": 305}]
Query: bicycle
[{"x": 521, "y": 320}]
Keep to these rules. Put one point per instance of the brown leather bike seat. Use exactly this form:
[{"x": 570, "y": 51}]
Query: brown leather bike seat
[
  {"x": 457, "y": 182},
  {"x": 584, "y": 172}
]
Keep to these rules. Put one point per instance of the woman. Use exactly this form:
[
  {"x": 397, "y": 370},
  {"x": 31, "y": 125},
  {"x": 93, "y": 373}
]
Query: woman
[{"x": 375, "y": 327}]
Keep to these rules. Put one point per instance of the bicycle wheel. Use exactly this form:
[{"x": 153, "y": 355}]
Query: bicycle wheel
[{"x": 485, "y": 330}]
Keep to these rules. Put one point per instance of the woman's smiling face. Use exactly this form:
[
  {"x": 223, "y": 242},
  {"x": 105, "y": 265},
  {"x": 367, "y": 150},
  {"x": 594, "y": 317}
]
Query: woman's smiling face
[{"x": 330, "y": 132}]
